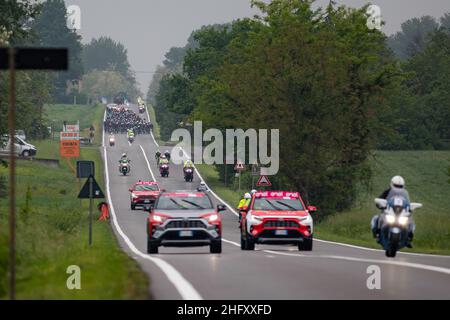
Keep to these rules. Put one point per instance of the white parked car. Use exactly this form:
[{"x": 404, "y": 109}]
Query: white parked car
[{"x": 21, "y": 147}]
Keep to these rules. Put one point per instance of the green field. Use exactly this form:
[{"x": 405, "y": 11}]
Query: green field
[
  {"x": 426, "y": 180},
  {"x": 55, "y": 116},
  {"x": 52, "y": 233}
]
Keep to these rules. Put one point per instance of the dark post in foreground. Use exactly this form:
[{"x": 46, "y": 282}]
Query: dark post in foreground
[{"x": 22, "y": 59}]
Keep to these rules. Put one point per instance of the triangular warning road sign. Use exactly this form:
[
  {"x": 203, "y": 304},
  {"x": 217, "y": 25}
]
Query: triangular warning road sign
[
  {"x": 97, "y": 192},
  {"x": 239, "y": 166},
  {"x": 263, "y": 181}
]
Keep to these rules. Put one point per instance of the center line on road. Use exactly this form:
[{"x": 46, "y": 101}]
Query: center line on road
[{"x": 148, "y": 164}]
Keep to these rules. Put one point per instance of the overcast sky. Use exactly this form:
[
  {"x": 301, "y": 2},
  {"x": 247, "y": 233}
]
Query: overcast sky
[{"x": 148, "y": 28}]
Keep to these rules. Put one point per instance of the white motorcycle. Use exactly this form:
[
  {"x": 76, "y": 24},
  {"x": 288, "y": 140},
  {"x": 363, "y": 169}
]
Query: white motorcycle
[{"x": 395, "y": 223}]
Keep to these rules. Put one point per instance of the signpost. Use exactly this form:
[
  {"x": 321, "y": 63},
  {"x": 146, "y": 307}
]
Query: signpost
[
  {"x": 85, "y": 169},
  {"x": 13, "y": 59},
  {"x": 69, "y": 142},
  {"x": 239, "y": 167},
  {"x": 256, "y": 171},
  {"x": 91, "y": 190}
]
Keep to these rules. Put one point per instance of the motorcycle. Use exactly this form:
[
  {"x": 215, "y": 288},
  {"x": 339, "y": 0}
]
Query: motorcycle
[
  {"x": 394, "y": 223},
  {"x": 164, "y": 170},
  {"x": 188, "y": 174},
  {"x": 124, "y": 168},
  {"x": 112, "y": 141},
  {"x": 131, "y": 139}
]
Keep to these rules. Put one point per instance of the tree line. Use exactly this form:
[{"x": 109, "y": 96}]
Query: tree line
[
  {"x": 97, "y": 69},
  {"x": 335, "y": 89}
]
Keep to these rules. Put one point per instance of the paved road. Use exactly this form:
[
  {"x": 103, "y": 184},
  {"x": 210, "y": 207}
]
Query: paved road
[{"x": 330, "y": 271}]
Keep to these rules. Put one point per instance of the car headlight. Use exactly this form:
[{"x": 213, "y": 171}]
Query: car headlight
[
  {"x": 305, "y": 220},
  {"x": 255, "y": 219},
  {"x": 403, "y": 221},
  {"x": 158, "y": 218},
  {"x": 213, "y": 217},
  {"x": 390, "y": 219},
  {"x": 134, "y": 196}
]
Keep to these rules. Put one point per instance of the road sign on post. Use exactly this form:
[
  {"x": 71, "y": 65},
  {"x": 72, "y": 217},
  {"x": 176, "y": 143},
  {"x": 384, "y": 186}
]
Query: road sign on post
[
  {"x": 91, "y": 190},
  {"x": 263, "y": 182},
  {"x": 69, "y": 145},
  {"x": 22, "y": 59},
  {"x": 85, "y": 169},
  {"x": 239, "y": 167}
]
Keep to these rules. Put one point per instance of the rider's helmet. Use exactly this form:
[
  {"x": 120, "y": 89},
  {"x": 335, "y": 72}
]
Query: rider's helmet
[
  {"x": 202, "y": 184},
  {"x": 124, "y": 155},
  {"x": 247, "y": 196},
  {"x": 167, "y": 151},
  {"x": 397, "y": 182},
  {"x": 163, "y": 156},
  {"x": 253, "y": 192}
]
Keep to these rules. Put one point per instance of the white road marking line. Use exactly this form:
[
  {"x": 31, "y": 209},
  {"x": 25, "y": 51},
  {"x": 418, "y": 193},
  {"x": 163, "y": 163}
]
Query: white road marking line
[
  {"x": 151, "y": 130},
  {"x": 148, "y": 164},
  {"x": 184, "y": 287},
  {"x": 231, "y": 242},
  {"x": 394, "y": 263}
]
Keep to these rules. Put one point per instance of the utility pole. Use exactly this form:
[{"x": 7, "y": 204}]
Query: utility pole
[
  {"x": 13, "y": 59},
  {"x": 91, "y": 195},
  {"x": 12, "y": 174}
]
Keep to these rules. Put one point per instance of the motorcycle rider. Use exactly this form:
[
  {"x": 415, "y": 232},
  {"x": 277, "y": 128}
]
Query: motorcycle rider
[
  {"x": 130, "y": 133},
  {"x": 397, "y": 188},
  {"x": 124, "y": 160},
  {"x": 163, "y": 160},
  {"x": 188, "y": 164},
  {"x": 157, "y": 155},
  {"x": 167, "y": 154}
]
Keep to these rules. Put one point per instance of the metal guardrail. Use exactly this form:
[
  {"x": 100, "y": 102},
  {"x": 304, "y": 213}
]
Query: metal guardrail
[{"x": 49, "y": 162}]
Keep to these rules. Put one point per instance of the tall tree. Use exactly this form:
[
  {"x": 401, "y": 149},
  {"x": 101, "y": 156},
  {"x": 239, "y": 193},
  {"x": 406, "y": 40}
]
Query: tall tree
[
  {"x": 413, "y": 37},
  {"x": 105, "y": 54},
  {"x": 51, "y": 30}
]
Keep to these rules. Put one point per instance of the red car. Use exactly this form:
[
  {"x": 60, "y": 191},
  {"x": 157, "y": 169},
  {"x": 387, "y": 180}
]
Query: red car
[
  {"x": 184, "y": 219},
  {"x": 143, "y": 193},
  {"x": 277, "y": 217}
]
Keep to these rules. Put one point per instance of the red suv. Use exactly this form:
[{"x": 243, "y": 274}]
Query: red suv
[
  {"x": 277, "y": 217},
  {"x": 184, "y": 219},
  {"x": 143, "y": 193}
]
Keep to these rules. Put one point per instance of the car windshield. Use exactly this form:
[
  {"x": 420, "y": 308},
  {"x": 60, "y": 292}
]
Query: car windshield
[
  {"x": 146, "y": 187},
  {"x": 184, "y": 203},
  {"x": 277, "y": 204}
]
